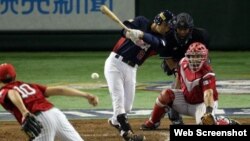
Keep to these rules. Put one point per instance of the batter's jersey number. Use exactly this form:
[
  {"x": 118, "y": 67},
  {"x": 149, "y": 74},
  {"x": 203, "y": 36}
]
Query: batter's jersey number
[{"x": 25, "y": 90}]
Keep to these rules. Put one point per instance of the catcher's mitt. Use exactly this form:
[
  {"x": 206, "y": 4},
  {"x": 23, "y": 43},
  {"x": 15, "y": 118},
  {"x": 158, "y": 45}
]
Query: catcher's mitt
[
  {"x": 208, "y": 119},
  {"x": 31, "y": 126}
]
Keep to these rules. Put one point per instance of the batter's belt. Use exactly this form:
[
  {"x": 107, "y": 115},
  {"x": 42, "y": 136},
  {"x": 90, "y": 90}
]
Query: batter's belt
[
  {"x": 130, "y": 63},
  {"x": 37, "y": 113}
]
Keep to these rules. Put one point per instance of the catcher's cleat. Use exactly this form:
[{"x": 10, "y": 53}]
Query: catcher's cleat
[
  {"x": 177, "y": 122},
  {"x": 113, "y": 125},
  {"x": 148, "y": 125},
  {"x": 221, "y": 120},
  {"x": 233, "y": 122},
  {"x": 175, "y": 117},
  {"x": 129, "y": 136}
]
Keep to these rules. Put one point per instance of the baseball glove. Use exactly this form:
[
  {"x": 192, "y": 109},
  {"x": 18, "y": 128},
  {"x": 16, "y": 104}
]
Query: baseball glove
[
  {"x": 208, "y": 119},
  {"x": 31, "y": 126}
]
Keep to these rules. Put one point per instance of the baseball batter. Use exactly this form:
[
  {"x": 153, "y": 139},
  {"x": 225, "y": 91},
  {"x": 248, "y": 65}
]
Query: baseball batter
[
  {"x": 197, "y": 95},
  {"x": 38, "y": 117},
  {"x": 132, "y": 49}
]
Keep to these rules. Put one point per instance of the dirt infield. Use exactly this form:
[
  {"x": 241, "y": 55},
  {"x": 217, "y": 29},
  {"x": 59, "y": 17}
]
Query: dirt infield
[{"x": 97, "y": 130}]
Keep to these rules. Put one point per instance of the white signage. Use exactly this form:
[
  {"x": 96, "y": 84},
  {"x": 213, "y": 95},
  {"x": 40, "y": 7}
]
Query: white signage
[{"x": 62, "y": 14}]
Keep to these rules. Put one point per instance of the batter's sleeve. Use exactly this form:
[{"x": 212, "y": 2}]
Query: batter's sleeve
[{"x": 139, "y": 22}]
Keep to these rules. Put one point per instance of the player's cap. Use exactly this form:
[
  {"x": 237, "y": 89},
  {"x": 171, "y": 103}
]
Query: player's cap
[
  {"x": 184, "y": 21},
  {"x": 164, "y": 16},
  {"x": 7, "y": 73}
]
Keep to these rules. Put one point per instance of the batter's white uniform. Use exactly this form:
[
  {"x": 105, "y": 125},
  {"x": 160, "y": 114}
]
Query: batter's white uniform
[
  {"x": 121, "y": 65},
  {"x": 121, "y": 79}
]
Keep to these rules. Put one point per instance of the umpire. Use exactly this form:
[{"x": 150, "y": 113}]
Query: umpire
[{"x": 179, "y": 39}]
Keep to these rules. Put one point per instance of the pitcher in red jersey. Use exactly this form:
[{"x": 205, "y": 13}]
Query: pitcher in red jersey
[
  {"x": 196, "y": 92},
  {"x": 23, "y": 99}
]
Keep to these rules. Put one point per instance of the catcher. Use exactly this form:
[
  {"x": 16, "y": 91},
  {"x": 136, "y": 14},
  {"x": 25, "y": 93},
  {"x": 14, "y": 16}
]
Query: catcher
[
  {"x": 197, "y": 95},
  {"x": 39, "y": 119}
]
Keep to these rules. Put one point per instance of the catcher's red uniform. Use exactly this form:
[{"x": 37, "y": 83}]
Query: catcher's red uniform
[
  {"x": 32, "y": 95},
  {"x": 190, "y": 99},
  {"x": 193, "y": 84}
]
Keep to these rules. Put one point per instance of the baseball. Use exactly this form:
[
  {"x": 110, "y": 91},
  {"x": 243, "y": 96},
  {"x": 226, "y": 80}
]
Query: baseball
[{"x": 94, "y": 75}]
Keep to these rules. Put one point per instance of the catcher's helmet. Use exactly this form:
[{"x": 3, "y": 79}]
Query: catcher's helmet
[
  {"x": 184, "y": 20},
  {"x": 7, "y": 73},
  {"x": 164, "y": 16},
  {"x": 197, "y": 55}
]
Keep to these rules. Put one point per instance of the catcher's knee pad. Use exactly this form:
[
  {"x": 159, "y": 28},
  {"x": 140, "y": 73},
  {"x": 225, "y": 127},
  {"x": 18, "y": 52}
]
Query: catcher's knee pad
[{"x": 165, "y": 98}]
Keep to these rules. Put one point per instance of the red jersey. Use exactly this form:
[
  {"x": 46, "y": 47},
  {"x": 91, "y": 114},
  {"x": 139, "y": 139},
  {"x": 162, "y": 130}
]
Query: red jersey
[
  {"x": 193, "y": 84},
  {"x": 32, "y": 95}
]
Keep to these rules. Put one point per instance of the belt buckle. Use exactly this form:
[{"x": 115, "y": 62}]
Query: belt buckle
[
  {"x": 37, "y": 113},
  {"x": 130, "y": 63}
]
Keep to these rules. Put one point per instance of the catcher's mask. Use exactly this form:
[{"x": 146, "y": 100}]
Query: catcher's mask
[
  {"x": 164, "y": 16},
  {"x": 7, "y": 73},
  {"x": 197, "y": 55}
]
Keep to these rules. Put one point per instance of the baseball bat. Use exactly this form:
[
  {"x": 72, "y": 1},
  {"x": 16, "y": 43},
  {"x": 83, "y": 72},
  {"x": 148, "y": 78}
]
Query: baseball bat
[{"x": 105, "y": 10}]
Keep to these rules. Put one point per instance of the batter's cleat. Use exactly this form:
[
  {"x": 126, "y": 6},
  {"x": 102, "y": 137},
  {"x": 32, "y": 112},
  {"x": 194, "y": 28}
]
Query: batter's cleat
[
  {"x": 113, "y": 125},
  {"x": 129, "y": 136},
  {"x": 149, "y": 125}
]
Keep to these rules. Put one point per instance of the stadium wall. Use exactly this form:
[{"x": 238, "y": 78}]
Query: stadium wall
[{"x": 227, "y": 22}]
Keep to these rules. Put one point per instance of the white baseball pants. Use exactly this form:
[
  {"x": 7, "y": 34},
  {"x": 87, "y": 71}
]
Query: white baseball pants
[
  {"x": 55, "y": 124},
  {"x": 121, "y": 80},
  {"x": 194, "y": 110}
]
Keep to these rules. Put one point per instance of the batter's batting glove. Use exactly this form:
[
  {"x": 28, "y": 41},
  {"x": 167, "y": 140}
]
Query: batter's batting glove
[
  {"x": 135, "y": 34},
  {"x": 31, "y": 126}
]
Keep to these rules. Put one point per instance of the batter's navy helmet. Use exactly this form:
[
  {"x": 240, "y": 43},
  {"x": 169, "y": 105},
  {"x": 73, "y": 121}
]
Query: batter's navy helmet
[
  {"x": 184, "y": 20},
  {"x": 164, "y": 16}
]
